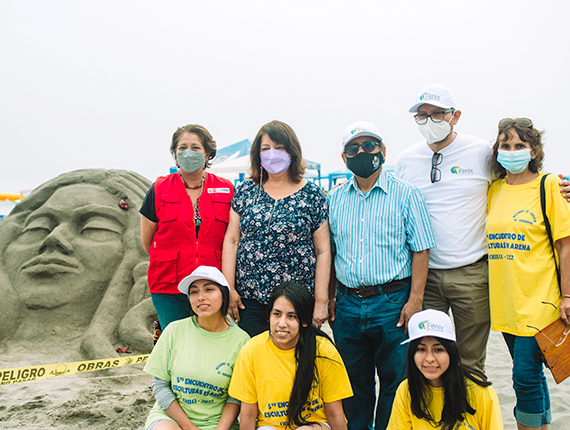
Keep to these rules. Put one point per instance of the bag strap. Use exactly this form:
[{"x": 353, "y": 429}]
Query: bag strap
[{"x": 547, "y": 224}]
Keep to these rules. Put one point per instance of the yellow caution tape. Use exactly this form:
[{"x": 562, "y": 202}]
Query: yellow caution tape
[{"x": 36, "y": 373}]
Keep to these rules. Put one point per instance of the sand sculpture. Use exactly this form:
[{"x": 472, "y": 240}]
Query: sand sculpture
[{"x": 72, "y": 269}]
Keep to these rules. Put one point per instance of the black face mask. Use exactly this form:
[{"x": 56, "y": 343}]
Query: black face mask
[{"x": 364, "y": 164}]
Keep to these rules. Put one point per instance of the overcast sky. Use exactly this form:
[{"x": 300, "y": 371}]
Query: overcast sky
[{"x": 105, "y": 83}]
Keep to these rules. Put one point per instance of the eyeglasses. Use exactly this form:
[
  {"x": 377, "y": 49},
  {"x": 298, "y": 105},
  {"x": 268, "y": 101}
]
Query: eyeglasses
[
  {"x": 436, "y": 160},
  {"x": 437, "y": 117},
  {"x": 521, "y": 122},
  {"x": 352, "y": 150}
]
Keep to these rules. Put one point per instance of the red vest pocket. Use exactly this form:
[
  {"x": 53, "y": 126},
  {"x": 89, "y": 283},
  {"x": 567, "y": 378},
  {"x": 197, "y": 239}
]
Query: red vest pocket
[
  {"x": 168, "y": 210},
  {"x": 221, "y": 203},
  {"x": 165, "y": 265}
]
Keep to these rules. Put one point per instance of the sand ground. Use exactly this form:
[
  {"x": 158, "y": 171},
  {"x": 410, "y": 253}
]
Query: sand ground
[{"x": 103, "y": 400}]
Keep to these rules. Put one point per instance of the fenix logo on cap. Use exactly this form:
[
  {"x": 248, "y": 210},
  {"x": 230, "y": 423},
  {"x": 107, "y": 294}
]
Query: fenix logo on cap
[
  {"x": 429, "y": 96},
  {"x": 201, "y": 273},
  {"x": 359, "y": 130},
  {"x": 426, "y": 325}
]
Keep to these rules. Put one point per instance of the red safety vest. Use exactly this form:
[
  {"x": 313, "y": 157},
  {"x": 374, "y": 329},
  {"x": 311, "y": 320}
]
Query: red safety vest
[{"x": 175, "y": 252}]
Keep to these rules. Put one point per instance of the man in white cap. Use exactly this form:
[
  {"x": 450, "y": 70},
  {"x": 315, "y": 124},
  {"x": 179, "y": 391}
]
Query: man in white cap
[
  {"x": 382, "y": 234},
  {"x": 450, "y": 170}
]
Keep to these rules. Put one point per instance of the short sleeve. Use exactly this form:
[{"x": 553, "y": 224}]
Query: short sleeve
[
  {"x": 158, "y": 364},
  {"x": 148, "y": 209},
  {"x": 319, "y": 207},
  {"x": 335, "y": 384},
  {"x": 242, "y": 385},
  {"x": 557, "y": 209},
  {"x": 489, "y": 410},
  {"x": 418, "y": 225},
  {"x": 400, "y": 418},
  {"x": 242, "y": 197}
]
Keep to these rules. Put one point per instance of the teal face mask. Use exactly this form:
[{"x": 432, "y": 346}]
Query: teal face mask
[
  {"x": 514, "y": 161},
  {"x": 190, "y": 161}
]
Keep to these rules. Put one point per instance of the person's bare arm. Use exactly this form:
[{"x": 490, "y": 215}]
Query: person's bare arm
[
  {"x": 332, "y": 292},
  {"x": 563, "y": 248},
  {"x": 420, "y": 262},
  {"x": 564, "y": 187},
  {"x": 322, "y": 244},
  {"x": 229, "y": 259},
  {"x": 248, "y": 415},
  {"x": 148, "y": 229},
  {"x": 176, "y": 412},
  {"x": 229, "y": 415},
  {"x": 335, "y": 415}
]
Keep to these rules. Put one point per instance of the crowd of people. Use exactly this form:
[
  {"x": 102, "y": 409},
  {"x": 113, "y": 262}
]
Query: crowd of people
[{"x": 463, "y": 225}]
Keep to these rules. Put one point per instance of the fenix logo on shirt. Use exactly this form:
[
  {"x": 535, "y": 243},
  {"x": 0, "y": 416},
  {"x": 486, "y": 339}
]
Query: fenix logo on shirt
[{"x": 457, "y": 170}]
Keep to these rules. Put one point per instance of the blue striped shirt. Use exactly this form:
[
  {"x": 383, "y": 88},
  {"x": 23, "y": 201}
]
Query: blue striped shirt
[{"x": 374, "y": 233}]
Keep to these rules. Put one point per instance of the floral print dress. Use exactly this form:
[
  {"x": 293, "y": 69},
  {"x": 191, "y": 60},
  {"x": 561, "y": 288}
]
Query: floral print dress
[{"x": 276, "y": 243}]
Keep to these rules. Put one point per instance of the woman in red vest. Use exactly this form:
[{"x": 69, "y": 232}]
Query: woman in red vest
[{"x": 184, "y": 219}]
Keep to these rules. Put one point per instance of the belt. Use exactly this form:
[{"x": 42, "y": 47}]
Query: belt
[{"x": 375, "y": 290}]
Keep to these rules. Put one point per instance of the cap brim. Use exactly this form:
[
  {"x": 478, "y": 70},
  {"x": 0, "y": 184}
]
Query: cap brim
[
  {"x": 415, "y": 107},
  {"x": 361, "y": 134}
]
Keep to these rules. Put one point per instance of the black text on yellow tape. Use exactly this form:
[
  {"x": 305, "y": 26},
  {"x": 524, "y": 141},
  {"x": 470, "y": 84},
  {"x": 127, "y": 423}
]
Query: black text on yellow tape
[{"x": 35, "y": 373}]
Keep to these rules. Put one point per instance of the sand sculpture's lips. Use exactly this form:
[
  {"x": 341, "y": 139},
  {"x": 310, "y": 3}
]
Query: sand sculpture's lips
[{"x": 49, "y": 264}]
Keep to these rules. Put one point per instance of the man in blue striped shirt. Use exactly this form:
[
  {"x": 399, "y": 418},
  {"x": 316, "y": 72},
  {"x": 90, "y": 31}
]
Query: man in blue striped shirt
[{"x": 381, "y": 230}]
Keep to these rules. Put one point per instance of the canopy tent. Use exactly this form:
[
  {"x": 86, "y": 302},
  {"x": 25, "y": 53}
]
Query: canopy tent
[
  {"x": 232, "y": 162},
  {"x": 12, "y": 197}
]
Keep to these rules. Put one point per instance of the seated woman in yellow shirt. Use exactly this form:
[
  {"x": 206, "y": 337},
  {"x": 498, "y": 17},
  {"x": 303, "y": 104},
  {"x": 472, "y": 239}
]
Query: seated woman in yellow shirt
[
  {"x": 291, "y": 375},
  {"x": 440, "y": 393}
]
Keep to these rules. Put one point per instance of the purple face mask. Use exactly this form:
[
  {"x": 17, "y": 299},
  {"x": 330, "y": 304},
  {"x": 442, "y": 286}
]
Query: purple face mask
[{"x": 275, "y": 161}]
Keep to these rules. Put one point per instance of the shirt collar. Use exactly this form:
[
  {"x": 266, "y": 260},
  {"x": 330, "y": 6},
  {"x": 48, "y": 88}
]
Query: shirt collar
[{"x": 381, "y": 183}]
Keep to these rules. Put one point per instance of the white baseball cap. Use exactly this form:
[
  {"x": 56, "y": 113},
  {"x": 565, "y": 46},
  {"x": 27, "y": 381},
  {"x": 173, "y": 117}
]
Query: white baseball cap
[
  {"x": 430, "y": 323},
  {"x": 203, "y": 272},
  {"x": 435, "y": 95},
  {"x": 360, "y": 128}
]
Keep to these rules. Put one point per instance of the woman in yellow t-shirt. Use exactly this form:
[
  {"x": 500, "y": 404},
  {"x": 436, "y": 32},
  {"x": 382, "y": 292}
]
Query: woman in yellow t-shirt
[
  {"x": 440, "y": 393},
  {"x": 291, "y": 376},
  {"x": 524, "y": 291}
]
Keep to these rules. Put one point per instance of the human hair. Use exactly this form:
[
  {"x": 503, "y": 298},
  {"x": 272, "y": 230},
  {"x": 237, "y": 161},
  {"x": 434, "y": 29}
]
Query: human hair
[
  {"x": 283, "y": 134},
  {"x": 526, "y": 134},
  {"x": 205, "y": 137},
  {"x": 305, "y": 350},
  {"x": 455, "y": 396},
  {"x": 124, "y": 300}
]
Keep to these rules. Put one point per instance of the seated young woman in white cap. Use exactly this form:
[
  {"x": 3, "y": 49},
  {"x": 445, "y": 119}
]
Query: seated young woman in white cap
[
  {"x": 440, "y": 393},
  {"x": 193, "y": 360}
]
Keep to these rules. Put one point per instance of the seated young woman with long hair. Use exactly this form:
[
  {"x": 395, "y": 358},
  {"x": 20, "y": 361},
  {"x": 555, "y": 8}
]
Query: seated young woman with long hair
[
  {"x": 440, "y": 393},
  {"x": 291, "y": 376},
  {"x": 193, "y": 360}
]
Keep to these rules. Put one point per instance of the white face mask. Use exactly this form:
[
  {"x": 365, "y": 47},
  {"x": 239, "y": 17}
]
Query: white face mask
[{"x": 435, "y": 131}]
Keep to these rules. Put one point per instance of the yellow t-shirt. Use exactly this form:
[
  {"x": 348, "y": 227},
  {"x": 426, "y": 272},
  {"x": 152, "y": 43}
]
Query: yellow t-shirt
[
  {"x": 483, "y": 399},
  {"x": 522, "y": 274},
  {"x": 264, "y": 374}
]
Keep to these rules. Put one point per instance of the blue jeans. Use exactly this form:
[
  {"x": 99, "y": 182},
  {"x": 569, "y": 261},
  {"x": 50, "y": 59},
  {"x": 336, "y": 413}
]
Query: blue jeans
[
  {"x": 253, "y": 319},
  {"x": 171, "y": 307},
  {"x": 529, "y": 382},
  {"x": 368, "y": 340}
]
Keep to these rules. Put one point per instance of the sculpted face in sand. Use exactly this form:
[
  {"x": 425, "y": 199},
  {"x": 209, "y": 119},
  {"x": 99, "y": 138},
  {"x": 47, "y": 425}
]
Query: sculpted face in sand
[
  {"x": 68, "y": 250},
  {"x": 72, "y": 269}
]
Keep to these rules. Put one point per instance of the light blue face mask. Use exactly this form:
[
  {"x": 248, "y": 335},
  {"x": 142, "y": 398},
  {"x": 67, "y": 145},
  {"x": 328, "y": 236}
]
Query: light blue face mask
[
  {"x": 514, "y": 161},
  {"x": 190, "y": 161}
]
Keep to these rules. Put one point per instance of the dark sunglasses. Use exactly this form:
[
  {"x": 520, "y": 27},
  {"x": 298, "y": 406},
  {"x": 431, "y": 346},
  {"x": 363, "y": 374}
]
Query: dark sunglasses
[
  {"x": 352, "y": 150},
  {"x": 436, "y": 160},
  {"x": 521, "y": 122}
]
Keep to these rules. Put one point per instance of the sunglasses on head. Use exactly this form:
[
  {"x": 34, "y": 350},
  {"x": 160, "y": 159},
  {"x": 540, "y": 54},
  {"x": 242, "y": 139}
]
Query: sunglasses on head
[
  {"x": 352, "y": 150},
  {"x": 521, "y": 122}
]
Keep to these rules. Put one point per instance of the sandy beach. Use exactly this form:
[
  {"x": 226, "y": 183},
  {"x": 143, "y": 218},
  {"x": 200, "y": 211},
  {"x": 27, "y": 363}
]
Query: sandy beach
[{"x": 120, "y": 399}]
